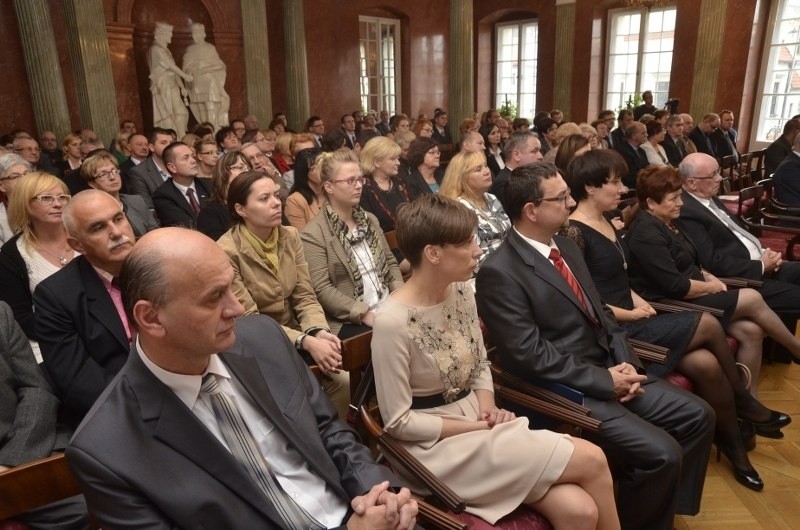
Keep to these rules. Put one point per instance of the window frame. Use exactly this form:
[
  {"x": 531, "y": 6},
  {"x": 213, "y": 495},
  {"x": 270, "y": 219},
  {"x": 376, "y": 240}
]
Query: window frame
[
  {"x": 520, "y": 24},
  {"x": 383, "y": 96}
]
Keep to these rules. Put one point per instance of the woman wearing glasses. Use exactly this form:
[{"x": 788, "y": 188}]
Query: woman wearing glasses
[
  {"x": 468, "y": 180},
  {"x": 39, "y": 247},
  {"x": 426, "y": 174},
  {"x": 306, "y": 196},
  {"x": 101, "y": 172},
  {"x": 271, "y": 278},
  {"x": 207, "y": 156},
  {"x": 214, "y": 219},
  {"x": 12, "y": 168},
  {"x": 350, "y": 263}
]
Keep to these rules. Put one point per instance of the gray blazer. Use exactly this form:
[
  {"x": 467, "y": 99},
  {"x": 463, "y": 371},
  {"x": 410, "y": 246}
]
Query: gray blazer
[
  {"x": 143, "y": 459},
  {"x": 139, "y": 215},
  {"x": 144, "y": 179},
  {"x": 29, "y": 407},
  {"x": 331, "y": 276}
]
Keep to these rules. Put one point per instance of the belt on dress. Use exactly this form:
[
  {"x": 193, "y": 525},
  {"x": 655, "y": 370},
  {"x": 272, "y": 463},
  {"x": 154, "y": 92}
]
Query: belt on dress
[{"x": 436, "y": 400}]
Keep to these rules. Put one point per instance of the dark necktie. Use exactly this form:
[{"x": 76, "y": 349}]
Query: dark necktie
[
  {"x": 193, "y": 201},
  {"x": 245, "y": 450},
  {"x": 562, "y": 268},
  {"x": 710, "y": 145},
  {"x": 681, "y": 150}
]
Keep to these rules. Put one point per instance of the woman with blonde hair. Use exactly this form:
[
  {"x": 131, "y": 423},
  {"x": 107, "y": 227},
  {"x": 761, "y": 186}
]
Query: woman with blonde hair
[
  {"x": 282, "y": 156},
  {"x": 350, "y": 263},
  {"x": 39, "y": 247},
  {"x": 468, "y": 180},
  {"x": 71, "y": 154},
  {"x": 383, "y": 191}
]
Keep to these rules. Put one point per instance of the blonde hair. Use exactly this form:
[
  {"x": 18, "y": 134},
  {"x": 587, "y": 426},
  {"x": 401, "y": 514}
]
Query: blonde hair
[
  {"x": 283, "y": 144},
  {"x": 404, "y": 138},
  {"x": 89, "y": 165},
  {"x": 378, "y": 148},
  {"x": 19, "y": 204},
  {"x": 454, "y": 184},
  {"x": 68, "y": 139},
  {"x": 328, "y": 162}
]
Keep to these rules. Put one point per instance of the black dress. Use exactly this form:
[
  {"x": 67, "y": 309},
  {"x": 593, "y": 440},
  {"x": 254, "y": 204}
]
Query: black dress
[
  {"x": 663, "y": 262},
  {"x": 383, "y": 204},
  {"x": 607, "y": 267}
]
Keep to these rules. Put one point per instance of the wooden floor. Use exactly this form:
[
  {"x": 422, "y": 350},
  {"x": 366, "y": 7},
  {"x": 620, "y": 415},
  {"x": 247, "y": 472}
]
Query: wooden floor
[{"x": 728, "y": 505}]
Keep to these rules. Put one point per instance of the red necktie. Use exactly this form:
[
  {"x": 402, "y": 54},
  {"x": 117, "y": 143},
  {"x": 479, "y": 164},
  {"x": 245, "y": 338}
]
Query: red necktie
[
  {"x": 193, "y": 201},
  {"x": 562, "y": 268}
]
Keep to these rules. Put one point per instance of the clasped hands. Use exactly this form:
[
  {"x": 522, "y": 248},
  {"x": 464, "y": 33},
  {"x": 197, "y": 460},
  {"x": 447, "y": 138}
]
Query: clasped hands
[
  {"x": 627, "y": 382},
  {"x": 326, "y": 350},
  {"x": 772, "y": 260},
  {"x": 382, "y": 509}
]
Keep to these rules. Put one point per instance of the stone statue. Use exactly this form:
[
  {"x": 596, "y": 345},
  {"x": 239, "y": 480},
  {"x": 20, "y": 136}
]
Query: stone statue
[
  {"x": 207, "y": 97},
  {"x": 166, "y": 84}
]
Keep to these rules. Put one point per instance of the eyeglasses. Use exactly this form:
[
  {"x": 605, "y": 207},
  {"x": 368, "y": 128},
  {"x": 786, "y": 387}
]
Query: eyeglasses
[
  {"x": 427, "y": 129},
  {"x": 14, "y": 176},
  {"x": 561, "y": 198},
  {"x": 434, "y": 152},
  {"x": 105, "y": 175},
  {"x": 239, "y": 167},
  {"x": 352, "y": 181},
  {"x": 259, "y": 156},
  {"x": 48, "y": 200},
  {"x": 715, "y": 174},
  {"x": 28, "y": 150},
  {"x": 209, "y": 153}
]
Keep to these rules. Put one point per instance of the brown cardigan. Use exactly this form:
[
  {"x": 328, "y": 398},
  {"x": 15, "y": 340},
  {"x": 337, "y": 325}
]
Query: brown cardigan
[
  {"x": 332, "y": 278},
  {"x": 288, "y": 297}
]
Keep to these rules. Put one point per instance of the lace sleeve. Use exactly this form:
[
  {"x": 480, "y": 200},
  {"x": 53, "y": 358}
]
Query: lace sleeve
[{"x": 574, "y": 233}]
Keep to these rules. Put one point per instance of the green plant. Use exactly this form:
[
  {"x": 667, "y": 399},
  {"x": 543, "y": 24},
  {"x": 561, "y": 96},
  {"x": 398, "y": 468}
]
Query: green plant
[{"x": 508, "y": 110}]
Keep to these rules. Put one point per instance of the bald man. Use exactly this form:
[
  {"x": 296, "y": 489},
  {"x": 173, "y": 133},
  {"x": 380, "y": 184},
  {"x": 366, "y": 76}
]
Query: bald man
[{"x": 157, "y": 450}]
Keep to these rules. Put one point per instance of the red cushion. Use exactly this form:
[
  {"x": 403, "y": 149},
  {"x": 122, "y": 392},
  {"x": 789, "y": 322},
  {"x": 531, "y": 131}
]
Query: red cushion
[
  {"x": 9, "y": 524},
  {"x": 523, "y": 518},
  {"x": 680, "y": 380}
]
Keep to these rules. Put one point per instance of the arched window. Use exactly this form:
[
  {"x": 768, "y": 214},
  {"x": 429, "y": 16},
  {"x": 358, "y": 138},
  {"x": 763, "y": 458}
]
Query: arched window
[
  {"x": 780, "y": 89},
  {"x": 379, "y": 68},
  {"x": 516, "y": 64},
  {"x": 639, "y": 54}
]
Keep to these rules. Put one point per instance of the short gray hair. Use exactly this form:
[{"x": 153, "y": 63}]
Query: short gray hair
[
  {"x": 144, "y": 277},
  {"x": 11, "y": 159}
]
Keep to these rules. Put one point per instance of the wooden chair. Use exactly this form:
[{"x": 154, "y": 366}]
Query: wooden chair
[
  {"x": 391, "y": 239},
  {"x": 757, "y": 165},
  {"x": 762, "y": 219},
  {"x": 730, "y": 176},
  {"x": 356, "y": 354},
  {"x": 36, "y": 484}
]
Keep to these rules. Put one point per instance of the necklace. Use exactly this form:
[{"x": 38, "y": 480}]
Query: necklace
[
  {"x": 387, "y": 190},
  {"x": 62, "y": 259},
  {"x": 618, "y": 246}
]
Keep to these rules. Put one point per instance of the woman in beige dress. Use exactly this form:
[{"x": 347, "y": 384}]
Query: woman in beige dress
[{"x": 436, "y": 396}]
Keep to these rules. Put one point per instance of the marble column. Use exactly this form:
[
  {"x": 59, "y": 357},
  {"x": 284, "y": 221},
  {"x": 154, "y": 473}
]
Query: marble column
[
  {"x": 298, "y": 106},
  {"x": 565, "y": 42},
  {"x": 48, "y": 98},
  {"x": 462, "y": 79},
  {"x": 707, "y": 57},
  {"x": 256, "y": 59},
  {"x": 91, "y": 65}
]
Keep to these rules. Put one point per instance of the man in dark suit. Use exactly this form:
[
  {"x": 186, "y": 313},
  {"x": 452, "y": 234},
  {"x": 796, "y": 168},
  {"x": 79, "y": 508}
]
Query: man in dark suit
[
  {"x": 786, "y": 179},
  {"x": 316, "y": 128},
  {"x": 180, "y": 198},
  {"x": 383, "y": 126},
  {"x": 672, "y": 144},
  {"x": 148, "y": 176},
  {"x": 441, "y": 131},
  {"x": 349, "y": 130},
  {"x": 155, "y": 449},
  {"x": 726, "y": 136},
  {"x": 723, "y": 246},
  {"x": 550, "y": 324},
  {"x": 138, "y": 146},
  {"x": 631, "y": 151},
  {"x": 28, "y": 422},
  {"x": 624, "y": 121},
  {"x": 83, "y": 332},
  {"x": 702, "y": 135},
  {"x": 778, "y": 150}
]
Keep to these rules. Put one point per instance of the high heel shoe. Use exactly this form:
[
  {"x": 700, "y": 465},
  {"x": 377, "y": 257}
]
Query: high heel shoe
[
  {"x": 746, "y": 477},
  {"x": 775, "y": 421}
]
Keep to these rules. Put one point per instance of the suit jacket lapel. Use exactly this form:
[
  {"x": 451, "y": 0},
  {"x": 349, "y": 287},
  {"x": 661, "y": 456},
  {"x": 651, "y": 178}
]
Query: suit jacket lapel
[
  {"x": 178, "y": 428},
  {"x": 544, "y": 269},
  {"x": 180, "y": 199},
  {"x": 249, "y": 373},
  {"x": 101, "y": 307},
  {"x": 156, "y": 180}
]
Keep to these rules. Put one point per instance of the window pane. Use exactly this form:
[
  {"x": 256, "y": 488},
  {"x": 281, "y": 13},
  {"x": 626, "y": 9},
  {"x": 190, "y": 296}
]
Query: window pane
[
  {"x": 517, "y": 46},
  {"x": 379, "y": 63}
]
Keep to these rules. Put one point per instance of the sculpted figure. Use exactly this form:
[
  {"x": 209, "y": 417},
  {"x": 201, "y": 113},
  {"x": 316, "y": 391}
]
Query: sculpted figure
[
  {"x": 166, "y": 84},
  {"x": 207, "y": 97}
]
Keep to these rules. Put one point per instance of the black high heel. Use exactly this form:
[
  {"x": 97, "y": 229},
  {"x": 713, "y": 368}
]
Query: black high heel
[
  {"x": 771, "y": 427},
  {"x": 747, "y": 478}
]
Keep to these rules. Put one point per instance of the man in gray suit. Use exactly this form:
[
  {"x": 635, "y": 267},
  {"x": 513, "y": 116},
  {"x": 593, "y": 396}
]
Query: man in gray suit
[
  {"x": 148, "y": 176},
  {"x": 155, "y": 450},
  {"x": 28, "y": 427},
  {"x": 537, "y": 299}
]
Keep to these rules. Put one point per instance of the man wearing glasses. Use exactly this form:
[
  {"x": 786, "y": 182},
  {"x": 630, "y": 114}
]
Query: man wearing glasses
[
  {"x": 28, "y": 148},
  {"x": 544, "y": 314},
  {"x": 724, "y": 247}
]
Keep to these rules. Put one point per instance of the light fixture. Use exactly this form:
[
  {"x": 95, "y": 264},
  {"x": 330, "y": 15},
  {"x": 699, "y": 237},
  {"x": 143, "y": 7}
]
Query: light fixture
[{"x": 647, "y": 4}]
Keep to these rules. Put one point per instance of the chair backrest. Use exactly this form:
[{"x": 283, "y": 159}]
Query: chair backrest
[
  {"x": 356, "y": 355},
  {"x": 751, "y": 217},
  {"x": 391, "y": 238},
  {"x": 36, "y": 484},
  {"x": 727, "y": 168},
  {"x": 757, "y": 165}
]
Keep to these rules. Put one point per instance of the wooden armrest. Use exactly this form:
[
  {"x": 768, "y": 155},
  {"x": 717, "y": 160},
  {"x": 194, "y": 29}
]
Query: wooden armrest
[
  {"x": 674, "y": 306},
  {"x": 397, "y": 453},
  {"x": 520, "y": 385},
  {"x": 550, "y": 409},
  {"x": 649, "y": 352},
  {"x": 432, "y": 517},
  {"x": 741, "y": 283}
]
